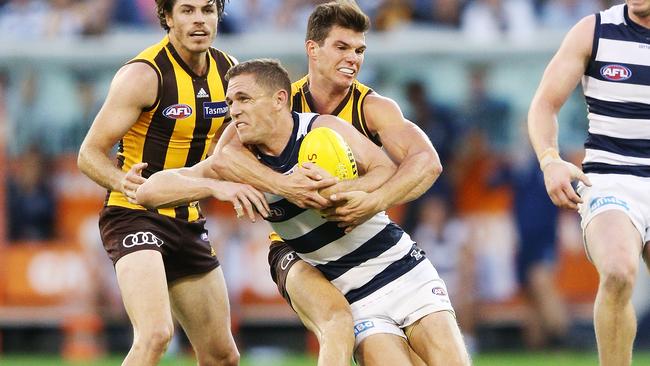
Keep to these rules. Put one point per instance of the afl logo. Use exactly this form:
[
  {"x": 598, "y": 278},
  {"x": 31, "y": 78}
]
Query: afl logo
[
  {"x": 615, "y": 72},
  {"x": 178, "y": 111}
]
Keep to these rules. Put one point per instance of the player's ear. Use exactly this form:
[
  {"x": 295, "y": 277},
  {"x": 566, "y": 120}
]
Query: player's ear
[
  {"x": 168, "y": 19},
  {"x": 311, "y": 47},
  {"x": 281, "y": 97}
]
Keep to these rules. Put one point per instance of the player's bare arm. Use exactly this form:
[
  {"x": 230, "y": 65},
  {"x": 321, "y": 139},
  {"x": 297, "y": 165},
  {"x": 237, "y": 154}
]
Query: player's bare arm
[
  {"x": 173, "y": 187},
  {"x": 133, "y": 89},
  {"x": 407, "y": 145},
  {"x": 235, "y": 162},
  {"x": 418, "y": 162},
  {"x": 360, "y": 198},
  {"x": 559, "y": 80}
]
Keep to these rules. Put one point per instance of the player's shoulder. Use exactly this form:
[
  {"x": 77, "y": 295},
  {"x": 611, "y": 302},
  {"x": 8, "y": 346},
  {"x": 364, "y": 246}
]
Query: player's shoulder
[
  {"x": 150, "y": 53},
  {"x": 297, "y": 85},
  {"x": 328, "y": 120},
  {"x": 375, "y": 103},
  {"x": 139, "y": 74},
  {"x": 219, "y": 54}
]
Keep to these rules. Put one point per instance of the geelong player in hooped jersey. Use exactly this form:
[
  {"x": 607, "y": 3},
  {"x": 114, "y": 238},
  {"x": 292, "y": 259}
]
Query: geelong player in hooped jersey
[
  {"x": 610, "y": 52},
  {"x": 335, "y": 48},
  {"x": 398, "y": 300},
  {"x": 165, "y": 107}
]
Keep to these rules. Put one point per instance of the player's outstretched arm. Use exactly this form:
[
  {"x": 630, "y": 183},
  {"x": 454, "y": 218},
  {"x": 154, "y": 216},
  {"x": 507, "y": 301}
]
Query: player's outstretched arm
[
  {"x": 234, "y": 162},
  {"x": 173, "y": 187},
  {"x": 407, "y": 145},
  {"x": 560, "y": 78},
  {"x": 134, "y": 88}
]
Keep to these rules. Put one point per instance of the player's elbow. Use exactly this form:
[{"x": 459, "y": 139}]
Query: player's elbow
[
  {"x": 431, "y": 166},
  {"x": 83, "y": 159}
]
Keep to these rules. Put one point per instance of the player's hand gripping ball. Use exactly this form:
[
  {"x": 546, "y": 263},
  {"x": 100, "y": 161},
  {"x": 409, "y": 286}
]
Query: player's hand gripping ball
[{"x": 327, "y": 149}]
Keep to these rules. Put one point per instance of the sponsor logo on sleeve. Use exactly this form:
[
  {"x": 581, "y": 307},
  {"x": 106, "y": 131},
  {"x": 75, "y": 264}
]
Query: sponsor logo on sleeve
[
  {"x": 214, "y": 109},
  {"x": 177, "y": 111},
  {"x": 615, "y": 72}
]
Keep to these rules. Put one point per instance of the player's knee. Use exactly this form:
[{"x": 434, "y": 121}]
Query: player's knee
[
  {"x": 156, "y": 339},
  {"x": 220, "y": 357},
  {"x": 617, "y": 277}
]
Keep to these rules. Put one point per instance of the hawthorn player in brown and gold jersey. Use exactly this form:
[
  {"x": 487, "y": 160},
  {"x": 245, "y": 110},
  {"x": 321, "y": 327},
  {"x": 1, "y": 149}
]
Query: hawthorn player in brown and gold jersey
[
  {"x": 178, "y": 129},
  {"x": 164, "y": 108}
]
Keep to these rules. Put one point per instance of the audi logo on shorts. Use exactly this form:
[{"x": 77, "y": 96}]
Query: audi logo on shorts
[{"x": 142, "y": 238}]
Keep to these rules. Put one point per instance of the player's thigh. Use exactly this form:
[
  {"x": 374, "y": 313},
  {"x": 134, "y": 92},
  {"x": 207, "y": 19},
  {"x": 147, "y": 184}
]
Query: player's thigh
[
  {"x": 436, "y": 337},
  {"x": 315, "y": 299},
  {"x": 200, "y": 303},
  {"x": 383, "y": 349},
  {"x": 143, "y": 284},
  {"x": 612, "y": 240}
]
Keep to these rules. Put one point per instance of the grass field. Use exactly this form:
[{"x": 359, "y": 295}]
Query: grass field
[{"x": 490, "y": 359}]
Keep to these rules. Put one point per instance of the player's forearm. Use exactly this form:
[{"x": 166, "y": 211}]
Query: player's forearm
[
  {"x": 96, "y": 164},
  {"x": 542, "y": 126},
  {"x": 170, "y": 188},
  {"x": 241, "y": 166},
  {"x": 414, "y": 176}
]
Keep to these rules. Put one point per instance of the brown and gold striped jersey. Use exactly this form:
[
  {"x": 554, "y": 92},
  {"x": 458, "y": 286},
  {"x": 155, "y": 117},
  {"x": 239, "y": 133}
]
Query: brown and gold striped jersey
[
  {"x": 350, "y": 109},
  {"x": 178, "y": 129}
]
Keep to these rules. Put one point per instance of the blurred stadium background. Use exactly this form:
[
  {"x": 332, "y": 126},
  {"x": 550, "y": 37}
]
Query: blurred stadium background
[{"x": 464, "y": 70}]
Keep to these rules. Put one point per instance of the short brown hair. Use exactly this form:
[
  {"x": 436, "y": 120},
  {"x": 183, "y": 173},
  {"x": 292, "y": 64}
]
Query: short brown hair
[
  {"x": 343, "y": 13},
  {"x": 165, "y": 6},
  {"x": 268, "y": 73}
]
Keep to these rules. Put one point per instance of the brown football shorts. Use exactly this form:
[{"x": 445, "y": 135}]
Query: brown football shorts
[
  {"x": 281, "y": 259},
  {"x": 184, "y": 245}
]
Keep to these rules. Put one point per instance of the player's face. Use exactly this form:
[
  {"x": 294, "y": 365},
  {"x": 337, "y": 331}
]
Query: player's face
[
  {"x": 340, "y": 57},
  {"x": 250, "y": 106},
  {"x": 640, "y": 8},
  {"x": 193, "y": 23}
]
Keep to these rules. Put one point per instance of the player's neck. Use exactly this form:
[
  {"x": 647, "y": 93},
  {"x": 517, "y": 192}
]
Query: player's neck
[
  {"x": 196, "y": 61},
  {"x": 275, "y": 143},
  {"x": 325, "y": 95},
  {"x": 642, "y": 21}
]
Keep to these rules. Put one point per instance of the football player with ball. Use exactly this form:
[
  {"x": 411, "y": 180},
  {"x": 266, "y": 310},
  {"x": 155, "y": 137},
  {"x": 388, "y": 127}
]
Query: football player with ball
[
  {"x": 398, "y": 301},
  {"x": 335, "y": 47}
]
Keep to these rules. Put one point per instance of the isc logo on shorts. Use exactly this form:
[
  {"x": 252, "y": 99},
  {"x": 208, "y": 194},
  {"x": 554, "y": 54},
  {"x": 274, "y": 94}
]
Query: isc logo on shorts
[
  {"x": 142, "y": 238},
  {"x": 599, "y": 202},
  {"x": 363, "y": 326}
]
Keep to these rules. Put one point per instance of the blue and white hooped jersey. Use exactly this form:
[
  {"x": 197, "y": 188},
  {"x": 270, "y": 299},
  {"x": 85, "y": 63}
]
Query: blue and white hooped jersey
[
  {"x": 616, "y": 85},
  {"x": 371, "y": 256}
]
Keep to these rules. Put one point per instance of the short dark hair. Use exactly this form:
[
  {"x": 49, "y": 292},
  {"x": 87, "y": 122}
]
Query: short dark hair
[
  {"x": 269, "y": 73},
  {"x": 165, "y": 6},
  {"x": 343, "y": 13}
]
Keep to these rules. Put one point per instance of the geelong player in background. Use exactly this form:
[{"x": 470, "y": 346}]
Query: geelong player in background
[
  {"x": 165, "y": 107},
  {"x": 398, "y": 301},
  {"x": 610, "y": 52}
]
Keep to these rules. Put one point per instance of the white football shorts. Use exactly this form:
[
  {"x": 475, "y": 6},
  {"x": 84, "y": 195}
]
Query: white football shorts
[
  {"x": 401, "y": 303},
  {"x": 626, "y": 193}
]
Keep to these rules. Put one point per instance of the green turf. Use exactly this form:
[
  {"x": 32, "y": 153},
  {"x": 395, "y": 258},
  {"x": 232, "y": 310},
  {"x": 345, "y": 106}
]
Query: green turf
[{"x": 490, "y": 359}]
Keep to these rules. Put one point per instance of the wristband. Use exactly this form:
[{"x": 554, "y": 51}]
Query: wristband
[{"x": 547, "y": 156}]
